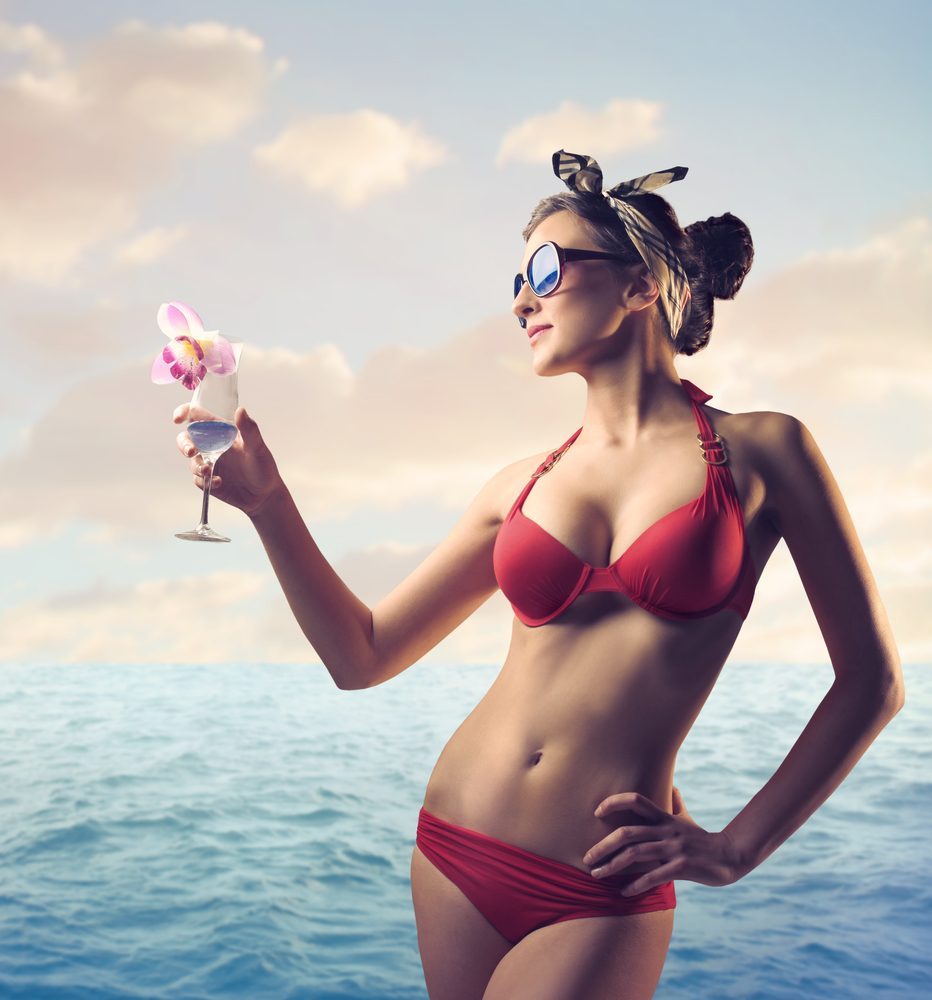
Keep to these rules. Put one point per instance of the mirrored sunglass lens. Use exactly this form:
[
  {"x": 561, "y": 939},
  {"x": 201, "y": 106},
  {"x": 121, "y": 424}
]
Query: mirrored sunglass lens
[{"x": 544, "y": 270}]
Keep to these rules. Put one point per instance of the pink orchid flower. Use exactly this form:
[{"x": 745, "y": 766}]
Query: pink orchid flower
[{"x": 191, "y": 351}]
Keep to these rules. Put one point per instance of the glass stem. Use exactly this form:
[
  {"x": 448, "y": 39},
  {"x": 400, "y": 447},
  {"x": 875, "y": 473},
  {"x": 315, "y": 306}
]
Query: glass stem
[{"x": 209, "y": 477}]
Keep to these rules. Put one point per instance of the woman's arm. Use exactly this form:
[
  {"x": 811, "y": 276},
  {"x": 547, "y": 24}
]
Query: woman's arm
[
  {"x": 868, "y": 689},
  {"x": 360, "y": 647},
  {"x": 363, "y": 648},
  {"x": 335, "y": 621},
  {"x": 844, "y": 725}
]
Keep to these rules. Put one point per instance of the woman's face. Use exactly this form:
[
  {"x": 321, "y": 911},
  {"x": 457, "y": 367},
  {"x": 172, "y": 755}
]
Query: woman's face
[{"x": 585, "y": 312}]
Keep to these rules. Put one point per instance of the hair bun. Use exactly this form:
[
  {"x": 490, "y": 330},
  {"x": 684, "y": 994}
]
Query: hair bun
[{"x": 727, "y": 251}]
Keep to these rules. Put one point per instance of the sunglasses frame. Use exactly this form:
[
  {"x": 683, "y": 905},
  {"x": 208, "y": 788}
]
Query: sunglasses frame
[{"x": 563, "y": 255}]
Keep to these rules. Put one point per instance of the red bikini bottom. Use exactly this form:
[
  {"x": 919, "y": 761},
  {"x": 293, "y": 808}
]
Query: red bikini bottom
[{"x": 517, "y": 891}]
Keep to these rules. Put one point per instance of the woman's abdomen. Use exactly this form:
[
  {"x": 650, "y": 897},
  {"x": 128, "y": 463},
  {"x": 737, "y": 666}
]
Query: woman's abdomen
[{"x": 537, "y": 787}]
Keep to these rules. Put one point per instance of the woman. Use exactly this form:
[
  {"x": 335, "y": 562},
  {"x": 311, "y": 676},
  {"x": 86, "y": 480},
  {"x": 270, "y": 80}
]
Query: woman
[{"x": 631, "y": 566}]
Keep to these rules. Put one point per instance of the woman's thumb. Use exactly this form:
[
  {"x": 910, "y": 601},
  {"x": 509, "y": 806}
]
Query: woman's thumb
[{"x": 246, "y": 425}]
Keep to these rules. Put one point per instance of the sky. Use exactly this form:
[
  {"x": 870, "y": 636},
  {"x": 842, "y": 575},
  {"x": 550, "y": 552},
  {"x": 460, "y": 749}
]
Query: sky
[{"x": 343, "y": 188}]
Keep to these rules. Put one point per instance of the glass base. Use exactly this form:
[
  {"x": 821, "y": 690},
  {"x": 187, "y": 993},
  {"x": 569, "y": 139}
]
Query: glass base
[{"x": 202, "y": 533}]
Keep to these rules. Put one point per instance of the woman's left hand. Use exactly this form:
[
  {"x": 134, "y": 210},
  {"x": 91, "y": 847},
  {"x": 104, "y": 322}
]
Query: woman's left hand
[{"x": 677, "y": 844}]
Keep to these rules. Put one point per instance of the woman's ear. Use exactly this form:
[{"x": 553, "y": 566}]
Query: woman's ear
[{"x": 639, "y": 288}]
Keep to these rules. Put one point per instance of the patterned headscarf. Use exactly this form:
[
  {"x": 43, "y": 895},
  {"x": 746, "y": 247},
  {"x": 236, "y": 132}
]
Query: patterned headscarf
[{"x": 581, "y": 173}]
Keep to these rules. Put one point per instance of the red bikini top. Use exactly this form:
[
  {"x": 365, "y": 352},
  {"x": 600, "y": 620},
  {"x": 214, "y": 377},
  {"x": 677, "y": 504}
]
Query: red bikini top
[{"x": 693, "y": 562}]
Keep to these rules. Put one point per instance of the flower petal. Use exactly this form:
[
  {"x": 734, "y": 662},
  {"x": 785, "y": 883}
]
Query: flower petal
[
  {"x": 218, "y": 356},
  {"x": 161, "y": 373},
  {"x": 188, "y": 375},
  {"x": 176, "y": 319},
  {"x": 172, "y": 322},
  {"x": 183, "y": 356}
]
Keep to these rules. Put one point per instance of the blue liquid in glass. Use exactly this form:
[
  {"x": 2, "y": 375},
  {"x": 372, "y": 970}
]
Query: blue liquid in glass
[{"x": 211, "y": 436}]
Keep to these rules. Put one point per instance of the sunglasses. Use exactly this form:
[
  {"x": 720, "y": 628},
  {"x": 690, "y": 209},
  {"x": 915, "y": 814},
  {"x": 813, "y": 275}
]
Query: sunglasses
[{"x": 545, "y": 268}]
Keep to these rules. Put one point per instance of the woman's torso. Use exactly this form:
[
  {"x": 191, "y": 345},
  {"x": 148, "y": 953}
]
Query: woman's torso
[{"x": 599, "y": 700}]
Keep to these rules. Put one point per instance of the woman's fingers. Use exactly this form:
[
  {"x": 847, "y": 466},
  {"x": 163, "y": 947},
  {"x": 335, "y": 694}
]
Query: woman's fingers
[
  {"x": 679, "y": 806},
  {"x": 656, "y": 876},
  {"x": 252, "y": 470},
  {"x": 188, "y": 411},
  {"x": 618, "y": 838},
  {"x": 248, "y": 428},
  {"x": 649, "y": 851},
  {"x": 633, "y": 802},
  {"x": 185, "y": 445},
  {"x": 201, "y": 476}
]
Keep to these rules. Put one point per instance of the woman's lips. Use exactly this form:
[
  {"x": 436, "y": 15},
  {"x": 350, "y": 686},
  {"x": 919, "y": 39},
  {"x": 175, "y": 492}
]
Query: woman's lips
[{"x": 536, "y": 334}]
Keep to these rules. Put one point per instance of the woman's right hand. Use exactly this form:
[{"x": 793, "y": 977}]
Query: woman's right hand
[{"x": 245, "y": 475}]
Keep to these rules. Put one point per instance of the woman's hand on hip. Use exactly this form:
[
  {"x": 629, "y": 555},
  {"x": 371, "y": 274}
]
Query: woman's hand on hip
[
  {"x": 673, "y": 842},
  {"x": 245, "y": 475}
]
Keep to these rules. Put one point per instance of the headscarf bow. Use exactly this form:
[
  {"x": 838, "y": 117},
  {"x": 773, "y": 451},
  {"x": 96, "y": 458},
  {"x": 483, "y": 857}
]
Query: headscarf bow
[{"x": 581, "y": 173}]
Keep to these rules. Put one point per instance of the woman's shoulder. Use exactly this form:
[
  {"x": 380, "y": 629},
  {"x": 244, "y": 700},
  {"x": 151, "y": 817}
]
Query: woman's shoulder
[
  {"x": 767, "y": 434},
  {"x": 762, "y": 445},
  {"x": 507, "y": 483}
]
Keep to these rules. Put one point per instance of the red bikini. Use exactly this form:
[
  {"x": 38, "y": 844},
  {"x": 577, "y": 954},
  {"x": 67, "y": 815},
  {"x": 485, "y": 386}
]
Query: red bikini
[
  {"x": 517, "y": 891},
  {"x": 693, "y": 562}
]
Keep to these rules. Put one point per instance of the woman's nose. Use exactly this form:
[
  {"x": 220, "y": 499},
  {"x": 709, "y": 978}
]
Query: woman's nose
[{"x": 524, "y": 304}]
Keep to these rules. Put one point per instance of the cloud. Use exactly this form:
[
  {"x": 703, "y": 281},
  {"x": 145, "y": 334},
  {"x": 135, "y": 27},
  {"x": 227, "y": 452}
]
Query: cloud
[
  {"x": 782, "y": 628},
  {"x": 63, "y": 338},
  {"x": 154, "y": 621},
  {"x": 31, "y": 41},
  {"x": 150, "y": 245},
  {"x": 163, "y": 620},
  {"x": 19, "y": 531},
  {"x": 620, "y": 126},
  {"x": 86, "y": 138},
  {"x": 367, "y": 431},
  {"x": 845, "y": 327},
  {"x": 351, "y": 158}
]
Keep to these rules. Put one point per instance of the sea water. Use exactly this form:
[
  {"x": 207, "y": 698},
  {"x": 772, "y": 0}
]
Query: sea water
[{"x": 246, "y": 831}]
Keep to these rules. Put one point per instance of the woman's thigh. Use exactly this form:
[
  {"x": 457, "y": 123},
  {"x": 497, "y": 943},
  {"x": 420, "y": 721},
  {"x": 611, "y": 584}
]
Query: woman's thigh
[
  {"x": 459, "y": 948},
  {"x": 589, "y": 958}
]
